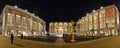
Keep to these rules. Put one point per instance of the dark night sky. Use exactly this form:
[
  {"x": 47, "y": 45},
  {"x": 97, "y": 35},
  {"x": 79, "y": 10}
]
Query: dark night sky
[{"x": 58, "y": 10}]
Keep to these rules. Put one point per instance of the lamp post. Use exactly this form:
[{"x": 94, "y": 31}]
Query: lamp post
[{"x": 72, "y": 32}]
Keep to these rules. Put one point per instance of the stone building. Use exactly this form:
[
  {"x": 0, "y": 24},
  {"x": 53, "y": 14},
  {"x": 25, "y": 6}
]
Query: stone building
[
  {"x": 60, "y": 28},
  {"x": 102, "y": 22},
  {"x": 18, "y": 21}
]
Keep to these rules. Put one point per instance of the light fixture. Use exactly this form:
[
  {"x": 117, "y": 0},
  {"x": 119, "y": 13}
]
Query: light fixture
[
  {"x": 25, "y": 10},
  {"x": 87, "y": 14},
  {"x": 15, "y": 6},
  {"x": 93, "y": 10},
  {"x": 101, "y": 7}
]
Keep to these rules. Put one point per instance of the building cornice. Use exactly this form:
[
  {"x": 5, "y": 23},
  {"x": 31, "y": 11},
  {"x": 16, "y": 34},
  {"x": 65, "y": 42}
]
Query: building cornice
[{"x": 21, "y": 10}]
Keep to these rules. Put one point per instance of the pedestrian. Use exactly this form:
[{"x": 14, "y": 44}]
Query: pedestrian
[
  {"x": 21, "y": 36},
  {"x": 12, "y": 38}
]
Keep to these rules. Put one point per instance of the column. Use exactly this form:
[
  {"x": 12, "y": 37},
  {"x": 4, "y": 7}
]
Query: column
[
  {"x": 92, "y": 25},
  {"x": 99, "y": 34},
  {"x": 14, "y": 30},
  {"x": 115, "y": 14},
  {"x": 37, "y": 25},
  {"x": 31, "y": 25},
  {"x": 44, "y": 27},
  {"x": 5, "y": 21},
  {"x": 26, "y": 25},
  {"x": 88, "y": 26},
  {"x": 21, "y": 21}
]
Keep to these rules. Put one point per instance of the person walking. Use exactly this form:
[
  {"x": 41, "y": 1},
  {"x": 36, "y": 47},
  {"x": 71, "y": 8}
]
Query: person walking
[
  {"x": 12, "y": 38},
  {"x": 21, "y": 36}
]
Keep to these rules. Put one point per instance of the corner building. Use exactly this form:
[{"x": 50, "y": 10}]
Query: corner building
[
  {"x": 102, "y": 22},
  {"x": 18, "y": 21}
]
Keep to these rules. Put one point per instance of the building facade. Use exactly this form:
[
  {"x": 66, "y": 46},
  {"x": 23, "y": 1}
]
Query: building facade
[
  {"x": 102, "y": 22},
  {"x": 60, "y": 28},
  {"x": 18, "y": 21}
]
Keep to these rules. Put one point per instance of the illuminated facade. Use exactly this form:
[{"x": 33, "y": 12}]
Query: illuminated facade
[
  {"x": 60, "y": 28},
  {"x": 18, "y": 21},
  {"x": 102, "y": 22}
]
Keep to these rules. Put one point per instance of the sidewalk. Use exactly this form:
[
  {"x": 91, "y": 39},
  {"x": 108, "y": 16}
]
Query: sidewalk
[
  {"x": 18, "y": 43},
  {"x": 109, "y": 42}
]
